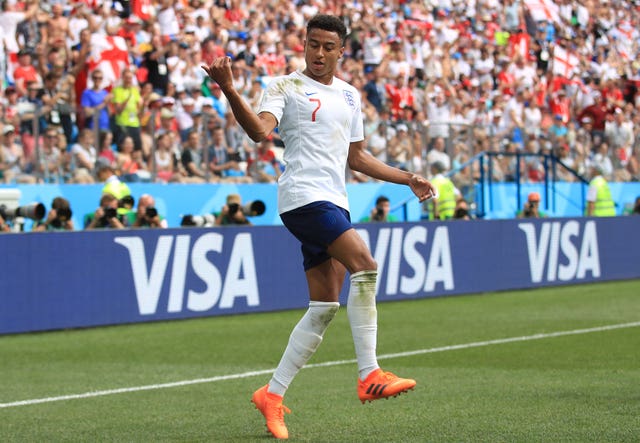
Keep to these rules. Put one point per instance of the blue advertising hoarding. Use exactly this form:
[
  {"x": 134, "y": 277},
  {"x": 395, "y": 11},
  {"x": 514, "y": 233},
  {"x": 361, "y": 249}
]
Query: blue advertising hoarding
[{"x": 80, "y": 279}]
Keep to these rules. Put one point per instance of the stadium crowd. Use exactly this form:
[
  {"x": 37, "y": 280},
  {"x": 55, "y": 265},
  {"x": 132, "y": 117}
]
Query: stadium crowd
[{"x": 441, "y": 81}]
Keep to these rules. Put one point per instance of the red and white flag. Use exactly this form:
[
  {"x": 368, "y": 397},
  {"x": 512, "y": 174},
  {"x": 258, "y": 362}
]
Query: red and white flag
[
  {"x": 543, "y": 10},
  {"x": 519, "y": 45},
  {"x": 142, "y": 8},
  {"x": 110, "y": 55},
  {"x": 564, "y": 62}
]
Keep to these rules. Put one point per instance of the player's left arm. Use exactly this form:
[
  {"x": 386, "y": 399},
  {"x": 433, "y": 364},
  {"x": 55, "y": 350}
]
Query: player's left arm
[{"x": 362, "y": 161}]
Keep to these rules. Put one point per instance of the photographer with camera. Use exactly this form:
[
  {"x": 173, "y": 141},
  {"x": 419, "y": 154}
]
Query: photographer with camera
[
  {"x": 106, "y": 216},
  {"x": 4, "y": 226},
  {"x": 232, "y": 213},
  {"x": 58, "y": 218},
  {"x": 146, "y": 215},
  {"x": 532, "y": 207},
  {"x": 380, "y": 212}
]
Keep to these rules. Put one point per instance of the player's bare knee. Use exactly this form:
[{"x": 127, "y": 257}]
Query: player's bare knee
[{"x": 365, "y": 262}]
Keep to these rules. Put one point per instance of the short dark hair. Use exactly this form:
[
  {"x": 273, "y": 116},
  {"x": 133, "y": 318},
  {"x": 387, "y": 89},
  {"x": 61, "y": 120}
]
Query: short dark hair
[
  {"x": 329, "y": 23},
  {"x": 381, "y": 199}
]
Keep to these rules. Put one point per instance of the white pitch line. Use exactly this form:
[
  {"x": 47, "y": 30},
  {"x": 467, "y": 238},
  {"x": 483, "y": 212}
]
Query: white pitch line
[{"x": 176, "y": 384}]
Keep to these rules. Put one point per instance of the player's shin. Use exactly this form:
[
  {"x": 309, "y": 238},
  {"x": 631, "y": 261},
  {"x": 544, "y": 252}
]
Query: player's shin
[
  {"x": 303, "y": 342},
  {"x": 363, "y": 318}
]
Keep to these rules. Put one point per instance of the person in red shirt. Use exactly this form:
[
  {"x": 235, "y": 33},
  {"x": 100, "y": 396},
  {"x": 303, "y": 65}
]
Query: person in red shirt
[
  {"x": 25, "y": 72},
  {"x": 263, "y": 166},
  {"x": 597, "y": 112},
  {"x": 400, "y": 96}
]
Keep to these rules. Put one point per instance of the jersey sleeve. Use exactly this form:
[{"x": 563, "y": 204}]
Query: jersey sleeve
[
  {"x": 357, "y": 122},
  {"x": 273, "y": 99}
]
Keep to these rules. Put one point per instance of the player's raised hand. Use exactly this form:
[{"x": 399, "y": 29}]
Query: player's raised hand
[
  {"x": 422, "y": 188},
  {"x": 220, "y": 72}
]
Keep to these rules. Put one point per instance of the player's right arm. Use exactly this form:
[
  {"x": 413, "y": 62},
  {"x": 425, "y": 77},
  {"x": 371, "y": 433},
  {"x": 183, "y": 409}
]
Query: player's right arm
[{"x": 257, "y": 126}]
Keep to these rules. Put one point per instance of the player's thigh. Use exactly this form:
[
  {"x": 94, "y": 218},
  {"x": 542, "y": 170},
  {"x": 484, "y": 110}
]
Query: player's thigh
[
  {"x": 325, "y": 280},
  {"x": 350, "y": 250}
]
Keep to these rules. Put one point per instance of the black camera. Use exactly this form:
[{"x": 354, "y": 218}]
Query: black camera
[
  {"x": 233, "y": 208},
  {"x": 461, "y": 213},
  {"x": 151, "y": 212},
  {"x": 251, "y": 209},
  {"x": 62, "y": 216},
  {"x": 65, "y": 213},
  {"x": 34, "y": 211},
  {"x": 109, "y": 213}
]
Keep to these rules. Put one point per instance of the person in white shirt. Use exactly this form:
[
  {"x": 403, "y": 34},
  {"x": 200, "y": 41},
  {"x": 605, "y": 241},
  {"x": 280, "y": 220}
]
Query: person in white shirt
[{"x": 320, "y": 122}]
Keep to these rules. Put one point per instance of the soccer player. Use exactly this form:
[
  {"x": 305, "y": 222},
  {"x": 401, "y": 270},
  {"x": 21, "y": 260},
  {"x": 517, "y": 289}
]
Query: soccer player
[{"x": 319, "y": 120}]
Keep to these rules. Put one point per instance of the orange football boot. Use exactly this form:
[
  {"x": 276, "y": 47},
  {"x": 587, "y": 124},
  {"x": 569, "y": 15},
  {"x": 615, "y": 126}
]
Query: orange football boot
[
  {"x": 273, "y": 410},
  {"x": 380, "y": 384}
]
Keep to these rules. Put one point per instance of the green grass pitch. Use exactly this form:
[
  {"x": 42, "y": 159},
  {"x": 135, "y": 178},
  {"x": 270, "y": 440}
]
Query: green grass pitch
[{"x": 489, "y": 367}]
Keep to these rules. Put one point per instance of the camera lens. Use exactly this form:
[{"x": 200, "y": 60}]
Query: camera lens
[{"x": 151, "y": 212}]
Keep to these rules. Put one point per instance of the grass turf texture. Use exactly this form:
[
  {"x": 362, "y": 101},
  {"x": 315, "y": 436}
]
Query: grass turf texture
[{"x": 583, "y": 387}]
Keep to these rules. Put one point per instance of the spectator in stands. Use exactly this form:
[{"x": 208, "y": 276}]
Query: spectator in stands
[
  {"x": 31, "y": 111},
  {"x": 185, "y": 117},
  {"x": 380, "y": 212},
  {"x": 167, "y": 166},
  {"x": 130, "y": 163},
  {"x": 128, "y": 104},
  {"x": 595, "y": 115},
  {"x": 105, "y": 147},
  {"x": 601, "y": 160},
  {"x": 438, "y": 114},
  {"x": 49, "y": 166},
  {"x": 531, "y": 207},
  {"x": 192, "y": 162},
  {"x": 263, "y": 166},
  {"x": 618, "y": 133},
  {"x": 84, "y": 153},
  {"x": 533, "y": 165},
  {"x": 25, "y": 73},
  {"x": 400, "y": 148},
  {"x": 58, "y": 218},
  {"x": 13, "y": 161},
  {"x": 437, "y": 154},
  {"x": 224, "y": 162},
  {"x": 95, "y": 102},
  {"x": 378, "y": 139},
  {"x": 59, "y": 97}
]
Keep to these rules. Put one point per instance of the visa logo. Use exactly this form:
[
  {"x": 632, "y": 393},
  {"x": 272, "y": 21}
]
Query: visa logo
[
  {"x": 562, "y": 249},
  {"x": 240, "y": 280}
]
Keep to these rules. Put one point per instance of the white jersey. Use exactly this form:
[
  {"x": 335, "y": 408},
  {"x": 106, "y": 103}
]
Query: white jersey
[{"x": 316, "y": 122}]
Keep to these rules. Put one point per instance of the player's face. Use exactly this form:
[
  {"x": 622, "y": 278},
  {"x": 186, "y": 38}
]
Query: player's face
[{"x": 323, "y": 49}]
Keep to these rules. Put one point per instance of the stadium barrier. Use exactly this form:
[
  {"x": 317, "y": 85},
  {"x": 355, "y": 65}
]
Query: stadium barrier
[
  {"x": 52, "y": 281},
  {"x": 500, "y": 200}
]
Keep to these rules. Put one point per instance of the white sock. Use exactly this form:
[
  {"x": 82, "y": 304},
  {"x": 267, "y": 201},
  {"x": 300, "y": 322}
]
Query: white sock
[
  {"x": 303, "y": 342},
  {"x": 363, "y": 318}
]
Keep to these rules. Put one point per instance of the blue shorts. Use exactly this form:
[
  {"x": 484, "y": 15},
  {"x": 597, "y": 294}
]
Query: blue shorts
[{"x": 316, "y": 225}]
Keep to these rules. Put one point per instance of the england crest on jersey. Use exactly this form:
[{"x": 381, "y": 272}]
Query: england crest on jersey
[{"x": 349, "y": 98}]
